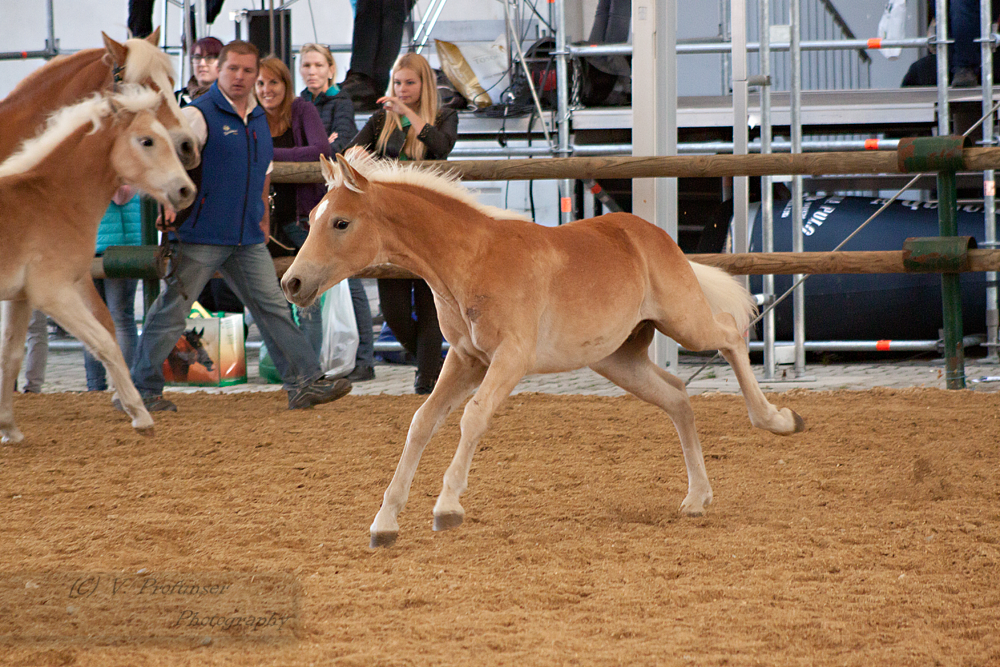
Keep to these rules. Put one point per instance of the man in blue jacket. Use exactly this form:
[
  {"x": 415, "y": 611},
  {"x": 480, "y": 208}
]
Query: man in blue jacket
[{"x": 226, "y": 230}]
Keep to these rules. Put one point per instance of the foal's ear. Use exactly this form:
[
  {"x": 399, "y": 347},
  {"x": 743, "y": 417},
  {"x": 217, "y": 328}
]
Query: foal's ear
[
  {"x": 118, "y": 51},
  {"x": 154, "y": 37},
  {"x": 352, "y": 177},
  {"x": 328, "y": 169}
]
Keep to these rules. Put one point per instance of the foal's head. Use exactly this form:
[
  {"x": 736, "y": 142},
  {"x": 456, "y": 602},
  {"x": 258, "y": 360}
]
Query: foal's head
[
  {"x": 143, "y": 155},
  {"x": 141, "y": 62},
  {"x": 343, "y": 234}
]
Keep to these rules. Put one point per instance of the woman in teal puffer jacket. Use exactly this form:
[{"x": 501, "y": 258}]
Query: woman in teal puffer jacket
[{"x": 121, "y": 225}]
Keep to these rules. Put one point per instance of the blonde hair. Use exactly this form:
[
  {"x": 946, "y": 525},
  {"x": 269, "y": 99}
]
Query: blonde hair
[
  {"x": 280, "y": 120},
  {"x": 311, "y": 47},
  {"x": 428, "y": 108}
]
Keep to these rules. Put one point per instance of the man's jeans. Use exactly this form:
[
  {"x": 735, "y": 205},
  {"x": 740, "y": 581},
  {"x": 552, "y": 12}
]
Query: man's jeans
[{"x": 249, "y": 270}]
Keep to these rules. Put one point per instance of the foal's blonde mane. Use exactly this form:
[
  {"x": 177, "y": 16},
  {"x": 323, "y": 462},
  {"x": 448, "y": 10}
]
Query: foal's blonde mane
[
  {"x": 431, "y": 178},
  {"x": 64, "y": 122}
]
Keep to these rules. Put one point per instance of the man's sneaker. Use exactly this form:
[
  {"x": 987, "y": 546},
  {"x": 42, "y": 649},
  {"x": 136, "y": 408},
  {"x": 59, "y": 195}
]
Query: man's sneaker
[
  {"x": 152, "y": 403},
  {"x": 361, "y": 374},
  {"x": 320, "y": 391}
]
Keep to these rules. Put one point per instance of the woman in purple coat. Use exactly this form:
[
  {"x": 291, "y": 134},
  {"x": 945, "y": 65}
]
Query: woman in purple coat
[{"x": 299, "y": 136}]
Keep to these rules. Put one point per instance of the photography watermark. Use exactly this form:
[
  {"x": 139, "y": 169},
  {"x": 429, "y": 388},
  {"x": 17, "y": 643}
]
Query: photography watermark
[{"x": 99, "y": 607}]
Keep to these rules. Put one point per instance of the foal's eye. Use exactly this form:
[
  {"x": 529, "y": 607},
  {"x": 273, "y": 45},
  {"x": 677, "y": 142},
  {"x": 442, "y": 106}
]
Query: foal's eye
[
  {"x": 146, "y": 142},
  {"x": 341, "y": 224}
]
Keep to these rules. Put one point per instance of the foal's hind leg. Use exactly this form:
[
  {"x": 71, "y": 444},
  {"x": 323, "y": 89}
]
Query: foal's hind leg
[
  {"x": 70, "y": 311},
  {"x": 458, "y": 378},
  {"x": 631, "y": 369},
  {"x": 15, "y": 316},
  {"x": 721, "y": 334}
]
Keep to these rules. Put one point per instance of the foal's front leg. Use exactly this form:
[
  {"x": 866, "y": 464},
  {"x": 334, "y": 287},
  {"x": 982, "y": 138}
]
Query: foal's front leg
[
  {"x": 506, "y": 370},
  {"x": 70, "y": 311},
  {"x": 459, "y": 376},
  {"x": 15, "y": 316}
]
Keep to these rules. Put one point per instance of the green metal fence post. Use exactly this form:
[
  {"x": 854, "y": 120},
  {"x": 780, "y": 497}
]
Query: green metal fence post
[
  {"x": 951, "y": 295},
  {"x": 150, "y": 288}
]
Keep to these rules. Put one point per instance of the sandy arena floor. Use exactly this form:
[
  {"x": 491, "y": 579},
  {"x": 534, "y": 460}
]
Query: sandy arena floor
[{"x": 871, "y": 539}]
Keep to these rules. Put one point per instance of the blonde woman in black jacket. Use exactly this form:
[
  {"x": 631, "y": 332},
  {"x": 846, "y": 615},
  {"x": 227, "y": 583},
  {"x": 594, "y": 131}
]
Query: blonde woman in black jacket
[{"x": 412, "y": 126}]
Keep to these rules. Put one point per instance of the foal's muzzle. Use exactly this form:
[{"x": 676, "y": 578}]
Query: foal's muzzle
[{"x": 186, "y": 147}]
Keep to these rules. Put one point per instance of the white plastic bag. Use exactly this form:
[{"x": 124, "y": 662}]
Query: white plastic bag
[
  {"x": 892, "y": 25},
  {"x": 340, "y": 332}
]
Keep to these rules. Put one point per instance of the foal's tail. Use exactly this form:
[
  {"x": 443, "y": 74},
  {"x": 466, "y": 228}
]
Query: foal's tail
[{"x": 726, "y": 295}]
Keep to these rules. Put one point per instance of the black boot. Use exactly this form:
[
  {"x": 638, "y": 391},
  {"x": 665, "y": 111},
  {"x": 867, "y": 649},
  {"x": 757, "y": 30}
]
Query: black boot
[{"x": 361, "y": 89}]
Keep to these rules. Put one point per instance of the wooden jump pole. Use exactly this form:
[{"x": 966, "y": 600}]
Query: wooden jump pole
[
  {"x": 760, "y": 263},
  {"x": 683, "y": 166}
]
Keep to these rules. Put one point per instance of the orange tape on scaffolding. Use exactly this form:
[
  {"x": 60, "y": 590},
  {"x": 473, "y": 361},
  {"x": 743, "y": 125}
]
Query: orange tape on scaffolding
[
  {"x": 566, "y": 203},
  {"x": 871, "y": 144},
  {"x": 883, "y": 345},
  {"x": 875, "y": 43}
]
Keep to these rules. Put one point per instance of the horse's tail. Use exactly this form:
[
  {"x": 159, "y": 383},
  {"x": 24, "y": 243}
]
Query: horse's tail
[{"x": 725, "y": 294}]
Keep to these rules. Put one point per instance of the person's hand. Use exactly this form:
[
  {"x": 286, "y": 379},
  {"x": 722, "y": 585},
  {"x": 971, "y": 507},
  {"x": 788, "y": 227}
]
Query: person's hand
[
  {"x": 333, "y": 137},
  {"x": 165, "y": 221},
  {"x": 394, "y": 104}
]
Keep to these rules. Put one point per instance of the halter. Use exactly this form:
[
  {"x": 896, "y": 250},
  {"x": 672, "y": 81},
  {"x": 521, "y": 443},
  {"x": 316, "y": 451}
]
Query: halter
[{"x": 116, "y": 76}]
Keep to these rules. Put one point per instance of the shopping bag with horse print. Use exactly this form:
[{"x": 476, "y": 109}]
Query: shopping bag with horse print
[{"x": 210, "y": 353}]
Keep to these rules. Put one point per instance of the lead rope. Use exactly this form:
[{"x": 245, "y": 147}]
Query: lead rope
[{"x": 839, "y": 246}]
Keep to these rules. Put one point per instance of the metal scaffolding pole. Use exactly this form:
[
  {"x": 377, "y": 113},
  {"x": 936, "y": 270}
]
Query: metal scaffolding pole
[
  {"x": 766, "y": 193},
  {"x": 725, "y": 47},
  {"x": 799, "y": 294},
  {"x": 562, "y": 111},
  {"x": 989, "y": 182},
  {"x": 51, "y": 44},
  {"x": 741, "y": 130},
  {"x": 944, "y": 123}
]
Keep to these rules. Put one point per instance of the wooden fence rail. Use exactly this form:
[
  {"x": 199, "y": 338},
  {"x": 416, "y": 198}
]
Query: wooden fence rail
[
  {"x": 759, "y": 263},
  {"x": 777, "y": 164}
]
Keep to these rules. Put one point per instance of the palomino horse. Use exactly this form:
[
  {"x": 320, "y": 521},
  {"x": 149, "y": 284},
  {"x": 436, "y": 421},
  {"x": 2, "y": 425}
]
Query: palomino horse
[
  {"x": 52, "y": 196},
  {"x": 515, "y": 298},
  {"x": 66, "y": 80}
]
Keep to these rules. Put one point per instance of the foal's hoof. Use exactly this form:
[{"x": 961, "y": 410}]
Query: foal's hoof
[
  {"x": 382, "y": 540},
  {"x": 148, "y": 431},
  {"x": 693, "y": 507},
  {"x": 11, "y": 435},
  {"x": 800, "y": 423},
  {"x": 448, "y": 520}
]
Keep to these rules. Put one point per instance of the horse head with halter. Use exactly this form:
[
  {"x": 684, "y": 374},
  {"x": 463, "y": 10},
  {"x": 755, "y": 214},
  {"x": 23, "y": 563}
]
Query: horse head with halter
[{"x": 141, "y": 61}]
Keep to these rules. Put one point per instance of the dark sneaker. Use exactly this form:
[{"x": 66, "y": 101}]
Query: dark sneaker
[
  {"x": 361, "y": 374},
  {"x": 423, "y": 385},
  {"x": 965, "y": 78},
  {"x": 152, "y": 403},
  {"x": 323, "y": 390}
]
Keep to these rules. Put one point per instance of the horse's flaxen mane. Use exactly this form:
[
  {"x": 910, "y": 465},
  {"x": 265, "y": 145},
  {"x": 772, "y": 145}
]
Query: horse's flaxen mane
[
  {"x": 64, "y": 122},
  {"x": 431, "y": 178},
  {"x": 147, "y": 61}
]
